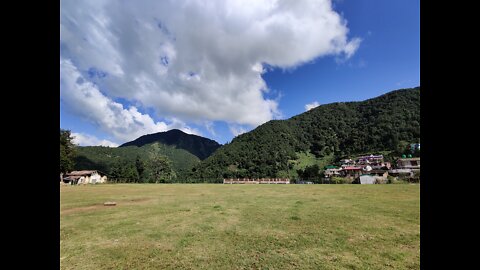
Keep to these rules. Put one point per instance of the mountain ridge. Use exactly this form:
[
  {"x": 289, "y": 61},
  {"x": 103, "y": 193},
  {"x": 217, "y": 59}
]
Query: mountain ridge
[{"x": 197, "y": 145}]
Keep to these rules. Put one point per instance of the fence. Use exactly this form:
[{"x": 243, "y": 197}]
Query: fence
[{"x": 257, "y": 181}]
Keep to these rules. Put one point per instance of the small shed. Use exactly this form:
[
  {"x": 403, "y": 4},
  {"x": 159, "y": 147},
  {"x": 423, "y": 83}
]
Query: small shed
[{"x": 367, "y": 179}]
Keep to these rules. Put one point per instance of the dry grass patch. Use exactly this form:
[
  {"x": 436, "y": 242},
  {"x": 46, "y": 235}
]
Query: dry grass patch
[{"x": 208, "y": 226}]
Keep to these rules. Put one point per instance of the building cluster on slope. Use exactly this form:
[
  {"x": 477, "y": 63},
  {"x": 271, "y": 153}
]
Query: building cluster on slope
[{"x": 373, "y": 169}]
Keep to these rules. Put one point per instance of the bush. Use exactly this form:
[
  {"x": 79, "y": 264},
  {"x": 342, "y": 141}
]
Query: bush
[
  {"x": 390, "y": 179},
  {"x": 380, "y": 180},
  {"x": 341, "y": 180},
  {"x": 395, "y": 180},
  {"x": 414, "y": 179}
]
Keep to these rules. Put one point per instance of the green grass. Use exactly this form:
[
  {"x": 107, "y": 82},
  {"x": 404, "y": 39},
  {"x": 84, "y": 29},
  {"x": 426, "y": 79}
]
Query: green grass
[
  {"x": 208, "y": 226},
  {"x": 303, "y": 160},
  {"x": 309, "y": 159}
]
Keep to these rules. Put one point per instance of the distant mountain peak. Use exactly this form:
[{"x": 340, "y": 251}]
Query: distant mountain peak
[
  {"x": 175, "y": 130},
  {"x": 197, "y": 145}
]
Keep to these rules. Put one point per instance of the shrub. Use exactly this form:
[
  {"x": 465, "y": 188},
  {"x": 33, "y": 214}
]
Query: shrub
[
  {"x": 396, "y": 180},
  {"x": 380, "y": 180},
  {"x": 390, "y": 179},
  {"x": 341, "y": 180}
]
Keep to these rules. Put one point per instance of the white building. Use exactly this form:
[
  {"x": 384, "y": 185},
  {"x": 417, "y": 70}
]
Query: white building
[
  {"x": 408, "y": 163},
  {"x": 84, "y": 177},
  {"x": 367, "y": 179}
]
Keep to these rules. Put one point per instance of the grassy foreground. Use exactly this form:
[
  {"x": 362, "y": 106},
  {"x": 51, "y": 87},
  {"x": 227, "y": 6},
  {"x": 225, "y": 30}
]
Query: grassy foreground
[{"x": 208, "y": 226}]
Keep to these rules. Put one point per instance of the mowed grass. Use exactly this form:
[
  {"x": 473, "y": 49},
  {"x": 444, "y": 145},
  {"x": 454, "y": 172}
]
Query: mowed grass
[{"x": 208, "y": 226}]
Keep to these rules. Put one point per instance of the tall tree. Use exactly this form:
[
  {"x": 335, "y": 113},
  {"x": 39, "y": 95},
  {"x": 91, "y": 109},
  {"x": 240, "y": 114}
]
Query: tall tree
[
  {"x": 67, "y": 151},
  {"x": 161, "y": 168},
  {"x": 140, "y": 166},
  {"x": 310, "y": 173}
]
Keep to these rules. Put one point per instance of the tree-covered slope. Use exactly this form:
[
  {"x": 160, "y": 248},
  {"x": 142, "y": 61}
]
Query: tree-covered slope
[
  {"x": 106, "y": 159},
  {"x": 197, "y": 145},
  {"x": 328, "y": 131}
]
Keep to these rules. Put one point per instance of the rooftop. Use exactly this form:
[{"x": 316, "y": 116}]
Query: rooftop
[
  {"x": 352, "y": 168},
  {"x": 408, "y": 159},
  {"x": 80, "y": 173}
]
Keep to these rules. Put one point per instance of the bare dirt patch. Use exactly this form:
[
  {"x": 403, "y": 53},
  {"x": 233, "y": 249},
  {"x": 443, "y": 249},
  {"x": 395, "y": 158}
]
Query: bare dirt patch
[{"x": 81, "y": 209}]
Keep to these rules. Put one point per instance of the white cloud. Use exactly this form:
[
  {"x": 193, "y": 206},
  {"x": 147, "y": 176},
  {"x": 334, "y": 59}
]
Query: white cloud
[
  {"x": 84, "y": 99},
  {"x": 196, "y": 60},
  {"x": 312, "y": 105},
  {"x": 83, "y": 139},
  {"x": 236, "y": 129},
  {"x": 209, "y": 127}
]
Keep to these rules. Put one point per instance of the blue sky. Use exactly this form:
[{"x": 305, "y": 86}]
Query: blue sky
[{"x": 212, "y": 90}]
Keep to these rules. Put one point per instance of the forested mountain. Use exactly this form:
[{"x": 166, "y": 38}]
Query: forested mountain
[
  {"x": 133, "y": 161},
  {"x": 196, "y": 145},
  {"x": 122, "y": 160},
  {"x": 327, "y": 132}
]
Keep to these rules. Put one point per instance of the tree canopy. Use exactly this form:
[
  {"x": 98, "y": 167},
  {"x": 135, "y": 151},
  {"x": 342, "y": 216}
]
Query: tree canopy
[{"x": 67, "y": 151}]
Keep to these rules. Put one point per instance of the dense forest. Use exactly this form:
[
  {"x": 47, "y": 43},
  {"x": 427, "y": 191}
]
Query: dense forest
[{"x": 325, "y": 134}]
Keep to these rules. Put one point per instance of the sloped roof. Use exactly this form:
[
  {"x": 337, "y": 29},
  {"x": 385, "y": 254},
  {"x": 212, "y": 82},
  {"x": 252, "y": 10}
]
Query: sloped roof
[
  {"x": 80, "y": 173},
  {"x": 378, "y": 171},
  {"x": 408, "y": 159},
  {"x": 400, "y": 171},
  {"x": 72, "y": 177},
  {"x": 352, "y": 168}
]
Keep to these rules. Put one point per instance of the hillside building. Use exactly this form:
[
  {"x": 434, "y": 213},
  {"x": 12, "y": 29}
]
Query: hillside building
[
  {"x": 351, "y": 171},
  {"x": 330, "y": 172},
  {"x": 408, "y": 163}
]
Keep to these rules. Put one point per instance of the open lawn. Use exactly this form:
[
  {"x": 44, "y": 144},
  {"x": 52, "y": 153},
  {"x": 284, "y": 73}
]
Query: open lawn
[{"x": 215, "y": 226}]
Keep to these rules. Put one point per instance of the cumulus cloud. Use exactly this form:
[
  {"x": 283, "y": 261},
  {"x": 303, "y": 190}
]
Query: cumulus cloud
[
  {"x": 83, "y": 139},
  {"x": 312, "y": 105},
  {"x": 197, "y": 60},
  {"x": 84, "y": 99}
]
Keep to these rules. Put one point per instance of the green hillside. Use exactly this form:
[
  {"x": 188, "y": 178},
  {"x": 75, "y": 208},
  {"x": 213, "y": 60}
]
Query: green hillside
[
  {"x": 106, "y": 159},
  {"x": 180, "y": 150},
  {"x": 279, "y": 147}
]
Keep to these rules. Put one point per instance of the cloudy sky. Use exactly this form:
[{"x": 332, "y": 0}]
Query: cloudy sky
[{"x": 221, "y": 68}]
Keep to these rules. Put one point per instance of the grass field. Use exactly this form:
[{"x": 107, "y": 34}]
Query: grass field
[{"x": 208, "y": 226}]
